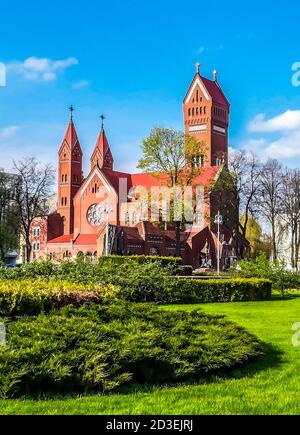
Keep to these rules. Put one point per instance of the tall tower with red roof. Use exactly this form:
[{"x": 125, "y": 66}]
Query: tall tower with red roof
[
  {"x": 102, "y": 155},
  {"x": 206, "y": 116},
  {"x": 69, "y": 175}
]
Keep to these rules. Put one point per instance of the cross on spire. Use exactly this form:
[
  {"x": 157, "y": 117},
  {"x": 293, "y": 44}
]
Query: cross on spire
[
  {"x": 72, "y": 109},
  {"x": 198, "y": 67},
  {"x": 102, "y": 121}
]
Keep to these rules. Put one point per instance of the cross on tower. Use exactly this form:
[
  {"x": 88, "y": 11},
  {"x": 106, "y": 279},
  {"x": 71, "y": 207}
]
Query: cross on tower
[
  {"x": 102, "y": 121},
  {"x": 198, "y": 67},
  {"x": 72, "y": 109}
]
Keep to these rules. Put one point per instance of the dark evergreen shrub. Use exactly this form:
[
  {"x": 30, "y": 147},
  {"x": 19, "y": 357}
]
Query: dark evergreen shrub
[{"x": 100, "y": 348}]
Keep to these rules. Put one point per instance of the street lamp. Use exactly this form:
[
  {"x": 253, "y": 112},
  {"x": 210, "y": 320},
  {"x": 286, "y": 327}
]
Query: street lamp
[
  {"x": 218, "y": 221},
  {"x": 107, "y": 208}
]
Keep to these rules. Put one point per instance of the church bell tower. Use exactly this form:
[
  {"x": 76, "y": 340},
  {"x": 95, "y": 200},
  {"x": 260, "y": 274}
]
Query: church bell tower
[
  {"x": 69, "y": 175},
  {"x": 206, "y": 117}
]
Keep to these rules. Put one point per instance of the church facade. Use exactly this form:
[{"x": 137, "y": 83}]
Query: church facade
[{"x": 103, "y": 213}]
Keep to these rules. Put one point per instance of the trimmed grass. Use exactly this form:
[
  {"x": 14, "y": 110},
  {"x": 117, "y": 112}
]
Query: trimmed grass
[{"x": 269, "y": 386}]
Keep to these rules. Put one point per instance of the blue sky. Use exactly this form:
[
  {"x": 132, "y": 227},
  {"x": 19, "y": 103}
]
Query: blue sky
[{"x": 134, "y": 60}]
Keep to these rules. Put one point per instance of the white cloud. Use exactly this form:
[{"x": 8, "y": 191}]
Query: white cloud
[
  {"x": 81, "y": 84},
  {"x": 9, "y": 132},
  {"x": 42, "y": 69},
  {"x": 287, "y": 121},
  {"x": 286, "y": 147}
]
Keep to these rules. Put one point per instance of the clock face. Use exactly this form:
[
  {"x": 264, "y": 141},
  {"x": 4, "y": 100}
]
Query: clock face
[{"x": 95, "y": 214}]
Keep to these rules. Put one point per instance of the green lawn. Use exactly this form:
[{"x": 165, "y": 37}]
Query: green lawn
[{"x": 270, "y": 386}]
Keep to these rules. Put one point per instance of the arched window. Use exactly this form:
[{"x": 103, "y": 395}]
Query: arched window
[
  {"x": 197, "y": 96},
  {"x": 201, "y": 110},
  {"x": 193, "y": 112},
  {"x": 189, "y": 112}
]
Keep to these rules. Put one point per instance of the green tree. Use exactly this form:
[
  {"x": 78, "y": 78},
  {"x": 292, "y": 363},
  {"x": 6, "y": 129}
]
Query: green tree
[
  {"x": 9, "y": 221},
  {"x": 178, "y": 157}
]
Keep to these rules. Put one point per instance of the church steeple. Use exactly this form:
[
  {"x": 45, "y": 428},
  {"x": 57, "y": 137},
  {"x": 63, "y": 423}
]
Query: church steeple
[
  {"x": 69, "y": 174},
  {"x": 102, "y": 155},
  {"x": 206, "y": 117}
]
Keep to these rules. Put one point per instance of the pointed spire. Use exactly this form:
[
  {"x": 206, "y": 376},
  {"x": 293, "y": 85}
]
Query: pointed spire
[
  {"x": 102, "y": 155},
  {"x": 70, "y": 137}
]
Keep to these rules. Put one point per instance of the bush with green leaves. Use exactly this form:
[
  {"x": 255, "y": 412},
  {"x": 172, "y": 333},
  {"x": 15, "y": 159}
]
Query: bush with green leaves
[
  {"x": 276, "y": 271},
  {"x": 101, "y": 348},
  {"x": 82, "y": 270},
  {"x": 31, "y": 297},
  {"x": 173, "y": 262},
  {"x": 220, "y": 290}
]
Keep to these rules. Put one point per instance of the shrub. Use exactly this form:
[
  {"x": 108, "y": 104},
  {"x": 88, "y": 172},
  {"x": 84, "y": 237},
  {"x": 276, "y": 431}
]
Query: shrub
[
  {"x": 163, "y": 261},
  {"x": 83, "y": 271},
  {"x": 276, "y": 271},
  {"x": 184, "y": 271},
  {"x": 100, "y": 348},
  {"x": 33, "y": 297},
  {"x": 221, "y": 290},
  {"x": 139, "y": 282}
]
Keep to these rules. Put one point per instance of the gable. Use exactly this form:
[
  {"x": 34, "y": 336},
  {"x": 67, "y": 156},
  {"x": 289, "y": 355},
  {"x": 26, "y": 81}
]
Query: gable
[
  {"x": 96, "y": 174},
  {"x": 197, "y": 83},
  {"x": 64, "y": 150}
]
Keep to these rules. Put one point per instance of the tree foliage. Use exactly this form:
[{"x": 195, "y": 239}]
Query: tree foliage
[
  {"x": 32, "y": 189},
  {"x": 9, "y": 220}
]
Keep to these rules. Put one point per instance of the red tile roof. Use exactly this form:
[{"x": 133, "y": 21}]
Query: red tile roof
[
  {"x": 147, "y": 180},
  {"x": 213, "y": 88},
  {"x": 62, "y": 239},
  {"x": 215, "y": 91},
  {"x": 86, "y": 239}
]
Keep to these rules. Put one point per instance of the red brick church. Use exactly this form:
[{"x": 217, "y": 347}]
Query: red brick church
[{"x": 103, "y": 214}]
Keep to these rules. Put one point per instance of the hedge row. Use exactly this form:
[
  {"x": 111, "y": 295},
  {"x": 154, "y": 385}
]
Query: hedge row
[
  {"x": 119, "y": 259},
  {"x": 225, "y": 290},
  {"x": 33, "y": 297},
  {"x": 83, "y": 271},
  {"x": 27, "y": 297}
]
